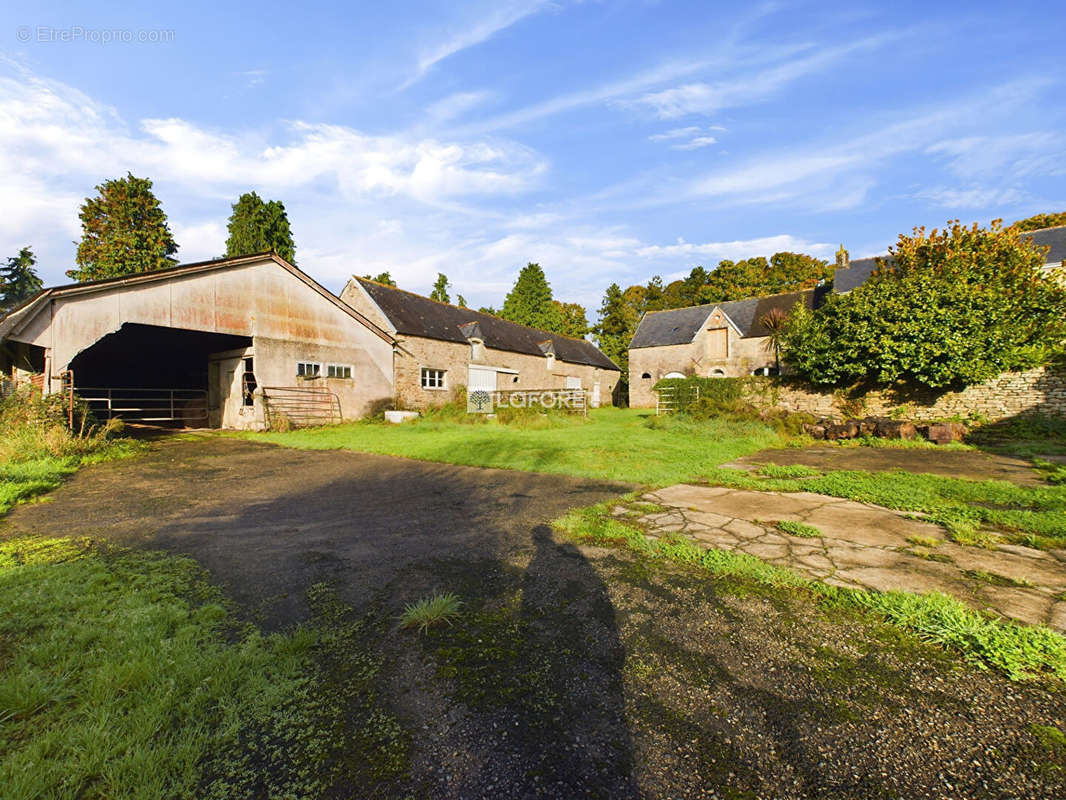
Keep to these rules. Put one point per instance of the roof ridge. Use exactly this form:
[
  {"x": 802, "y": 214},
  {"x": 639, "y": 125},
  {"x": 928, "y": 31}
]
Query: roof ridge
[
  {"x": 472, "y": 310},
  {"x": 1048, "y": 228}
]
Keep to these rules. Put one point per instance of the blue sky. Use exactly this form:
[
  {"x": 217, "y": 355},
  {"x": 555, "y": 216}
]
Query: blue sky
[{"x": 608, "y": 141}]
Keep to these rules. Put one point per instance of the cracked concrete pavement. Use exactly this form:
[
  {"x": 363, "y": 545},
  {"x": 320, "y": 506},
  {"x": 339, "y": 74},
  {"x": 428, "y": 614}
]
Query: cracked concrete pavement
[{"x": 866, "y": 546}]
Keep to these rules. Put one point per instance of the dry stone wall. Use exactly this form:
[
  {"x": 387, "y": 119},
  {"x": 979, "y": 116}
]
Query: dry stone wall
[{"x": 1041, "y": 390}]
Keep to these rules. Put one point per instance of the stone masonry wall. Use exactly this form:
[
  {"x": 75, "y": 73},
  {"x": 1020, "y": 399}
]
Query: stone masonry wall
[
  {"x": 453, "y": 357},
  {"x": 1041, "y": 390}
]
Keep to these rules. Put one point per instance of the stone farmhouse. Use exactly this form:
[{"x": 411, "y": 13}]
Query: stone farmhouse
[
  {"x": 729, "y": 340},
  {"x": 442, "y": 346},
  {"x": 232, "y": 342},
  {"x": 714, "y": 340}
]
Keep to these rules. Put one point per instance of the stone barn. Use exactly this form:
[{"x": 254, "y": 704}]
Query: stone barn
[
  {"x": 727, "y": 340},
  {"x": 223, "y": 343}
]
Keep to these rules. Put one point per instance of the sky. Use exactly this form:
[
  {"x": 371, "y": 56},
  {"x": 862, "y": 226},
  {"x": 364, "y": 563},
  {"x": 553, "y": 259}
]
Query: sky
[{"x": 607, "y": 141}]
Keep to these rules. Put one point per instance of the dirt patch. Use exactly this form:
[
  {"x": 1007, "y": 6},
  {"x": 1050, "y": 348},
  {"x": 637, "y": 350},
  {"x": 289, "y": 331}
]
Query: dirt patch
[
  {"x": 268, "y": 522},
  {"x": 951, "y": 463}
]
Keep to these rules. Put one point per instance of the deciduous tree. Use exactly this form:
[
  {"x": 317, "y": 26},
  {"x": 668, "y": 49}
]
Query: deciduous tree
[
  {"x": 1038, "y": 221},
  {"x": 956, "y": 307},
  {"x": 440, "y": 289},
  {"x": 615, "y": 327},
  {"x": 574, "y": 321},
  {"x": 382, "y": 278},
  {"x": 124, "y": 231}
]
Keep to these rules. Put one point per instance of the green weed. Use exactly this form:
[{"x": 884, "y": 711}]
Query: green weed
[
  {"x": 438, "y": 609},
  {"x": 798, "y": 529}
]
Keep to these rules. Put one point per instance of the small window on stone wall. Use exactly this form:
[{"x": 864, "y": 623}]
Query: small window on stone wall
[
  {"x": 646, "y": 376},
  {"x": 432, "y": 378}
]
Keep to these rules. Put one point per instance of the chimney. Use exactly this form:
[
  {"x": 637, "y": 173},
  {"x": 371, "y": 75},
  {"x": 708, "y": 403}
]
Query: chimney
[{"x": 843, "y": 259}]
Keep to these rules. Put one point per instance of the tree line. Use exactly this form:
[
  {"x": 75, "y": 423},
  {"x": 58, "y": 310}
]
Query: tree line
[{"x": 125, "y": 230}]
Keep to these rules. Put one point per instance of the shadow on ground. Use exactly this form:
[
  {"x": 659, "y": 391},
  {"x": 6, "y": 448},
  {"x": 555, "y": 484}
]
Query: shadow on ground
[
  {"x": 574, "y": 671},
  {"x": 534, "y": 674}
]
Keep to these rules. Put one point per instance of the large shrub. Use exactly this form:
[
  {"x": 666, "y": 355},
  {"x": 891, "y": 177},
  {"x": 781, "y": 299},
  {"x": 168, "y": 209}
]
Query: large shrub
[{"x": 955, "y": 307}]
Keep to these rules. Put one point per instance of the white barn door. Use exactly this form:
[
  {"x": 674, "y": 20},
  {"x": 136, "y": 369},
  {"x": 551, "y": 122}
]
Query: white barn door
[{"x": 481, "y": 379}]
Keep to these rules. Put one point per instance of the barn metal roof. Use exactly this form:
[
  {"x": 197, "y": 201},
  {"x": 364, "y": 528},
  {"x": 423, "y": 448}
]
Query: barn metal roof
[
  {"x": 679, "y": 325},
  {"x": 414, "y": 315},
  {"x": 26, "y": 310}
]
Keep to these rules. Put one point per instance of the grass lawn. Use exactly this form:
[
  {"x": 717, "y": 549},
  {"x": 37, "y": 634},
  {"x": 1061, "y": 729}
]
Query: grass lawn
[
  {"x": 630, "y": 445},
  {"x": 122, "y": 675}
]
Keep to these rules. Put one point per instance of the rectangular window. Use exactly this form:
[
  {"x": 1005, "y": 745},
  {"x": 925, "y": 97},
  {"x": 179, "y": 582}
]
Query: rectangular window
[
  {"x": 308, "y": 369},
  {"x": 338, "y": 371},
  {"x": 432, "y": 378}
]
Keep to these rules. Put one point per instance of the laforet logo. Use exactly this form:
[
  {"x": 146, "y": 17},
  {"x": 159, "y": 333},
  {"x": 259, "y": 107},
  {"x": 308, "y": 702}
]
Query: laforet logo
[{"x": 479, "y": 402}]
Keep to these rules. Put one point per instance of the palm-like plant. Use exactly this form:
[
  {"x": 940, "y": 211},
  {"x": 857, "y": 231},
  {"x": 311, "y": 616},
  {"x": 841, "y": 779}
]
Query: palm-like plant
[{"x": 774, "y": 323}]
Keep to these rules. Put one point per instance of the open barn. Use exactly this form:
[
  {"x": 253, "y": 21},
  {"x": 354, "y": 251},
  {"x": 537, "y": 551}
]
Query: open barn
[{"x": 222, "y": 343}]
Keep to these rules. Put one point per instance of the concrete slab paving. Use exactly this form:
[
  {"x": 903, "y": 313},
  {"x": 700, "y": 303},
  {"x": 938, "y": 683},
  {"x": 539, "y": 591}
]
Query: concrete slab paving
[{"x": 866, "y": 546}]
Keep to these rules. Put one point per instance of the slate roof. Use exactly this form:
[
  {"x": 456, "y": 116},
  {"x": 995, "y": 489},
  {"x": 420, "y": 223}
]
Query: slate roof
[
  {"x": 855, "y": 274},
  {"x": 1054, "y": 238},
  {"x": 414, "y": 315},
  {"x": 680, "y": 325}
]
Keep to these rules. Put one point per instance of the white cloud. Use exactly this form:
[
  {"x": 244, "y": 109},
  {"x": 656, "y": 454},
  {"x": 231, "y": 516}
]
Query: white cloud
[
  {"x": 468, "y": 33},
  {"x": 675, "y": 133},
  {"x": 338, "y": 183},
  {"x": 739, "y": 89},
  {"x": 693, "y": 134},
  {"x": 1025, "y": 154},
  {"x": 253, "y": 77},
  {"x": 738, "y": 249},
  {"x": 695, "y": 143},
  {"x": 974, "y": 197}
]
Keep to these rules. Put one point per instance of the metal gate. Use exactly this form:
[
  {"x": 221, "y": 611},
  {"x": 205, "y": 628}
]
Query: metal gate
[
  {"x": 298, "y": 406},
  {"x": 185, "y": 406}
]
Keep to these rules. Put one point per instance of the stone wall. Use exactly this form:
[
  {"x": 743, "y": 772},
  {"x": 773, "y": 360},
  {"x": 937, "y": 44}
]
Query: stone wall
[{"x": 1041, "y": 390}]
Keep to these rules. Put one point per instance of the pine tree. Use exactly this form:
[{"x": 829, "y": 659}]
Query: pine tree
[
  {"x": 615, "y": 328},
  {"x": 124, "y": 231},
  {"x": 18, "y": 280},
  {"x": 256, "y": 226},
  {"x": 530, "y": 302},
  {"x": 440, "y": 289},
  {"x": 460, "y": 301}
]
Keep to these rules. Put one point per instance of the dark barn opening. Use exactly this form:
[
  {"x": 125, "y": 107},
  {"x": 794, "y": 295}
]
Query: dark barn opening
[{"x": 151, "y": 373}]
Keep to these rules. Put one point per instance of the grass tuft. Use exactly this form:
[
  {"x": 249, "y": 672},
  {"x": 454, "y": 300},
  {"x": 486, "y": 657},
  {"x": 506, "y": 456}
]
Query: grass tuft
[
  {"x": 798, "y": 529},
  {"x": 429, "y": 612}
]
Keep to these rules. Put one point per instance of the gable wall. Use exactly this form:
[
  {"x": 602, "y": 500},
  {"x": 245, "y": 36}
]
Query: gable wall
[
  {"x": 287, "y": 320},
  {"x": 695, "y": 358}
]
